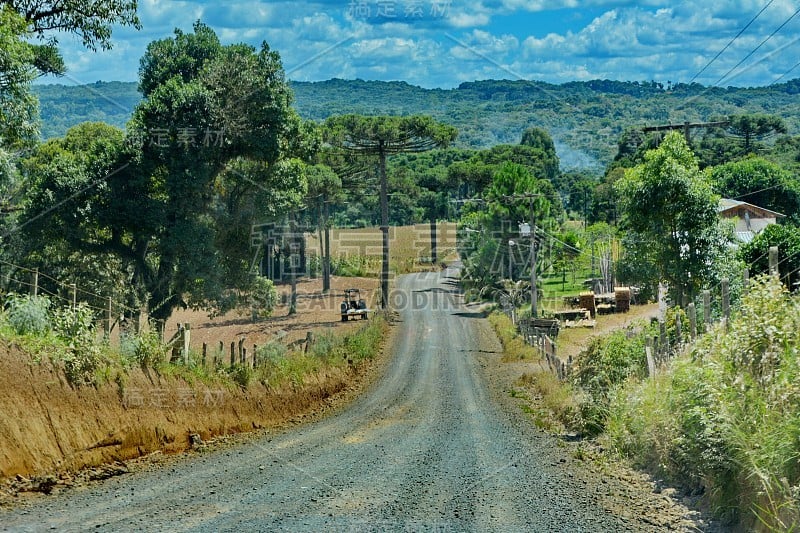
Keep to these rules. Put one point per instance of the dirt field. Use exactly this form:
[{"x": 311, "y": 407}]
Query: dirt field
[{"x": 315, "y": 310}]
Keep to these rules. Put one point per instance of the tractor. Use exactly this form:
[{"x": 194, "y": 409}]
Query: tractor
[{"x": 353, "y": 305}]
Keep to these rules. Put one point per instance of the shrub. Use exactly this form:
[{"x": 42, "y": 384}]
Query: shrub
[
  {"x": 606, "y": 364},
  {"x": 263, "y": 297},
  {"x": 145, "y": 349},
  {"x": 724, "y": 419},
  {"x": 83, "y": 356},
  {"x": 241, "y": 374},
  {"x": 28, "y": 314},
  {"x": 271, "y": 353}
]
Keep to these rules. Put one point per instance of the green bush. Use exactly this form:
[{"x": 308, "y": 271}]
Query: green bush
[
  {"x": 146, "y": 349},
  {"x": 263, "y": 297},
  {"x": 83, "y": 355},
  {"x": 271, "y": 353},
  {"x": 606, "y": 364},
  {"x": 241, "y": 374},
  {"x": 28, "y": 315},
  {"x": 724, "y": 419},
  {"x": 355, "y": 266}
]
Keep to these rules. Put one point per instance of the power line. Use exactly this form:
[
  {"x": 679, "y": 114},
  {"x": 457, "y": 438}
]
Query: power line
[
  {"x": 754, "y": 50},
  {"x": 785, "y": 73},
  {"x": 731, "y": 41}
]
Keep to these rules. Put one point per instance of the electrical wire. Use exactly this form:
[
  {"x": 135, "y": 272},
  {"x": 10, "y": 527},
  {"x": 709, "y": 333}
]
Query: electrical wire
[
  {"x": 731, "y": 41},
  {"x": 754, "y": 50}
]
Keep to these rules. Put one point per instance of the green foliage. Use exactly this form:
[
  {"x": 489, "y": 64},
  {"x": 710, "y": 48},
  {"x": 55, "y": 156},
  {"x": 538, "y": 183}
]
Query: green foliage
[
  {"x": 756, "y": 252},
  {"x": 83, "y": 356},
  {"x": 263, "y": 297},
  {"x": 723, "y": 419},
  {"x": 493, "y": 112},
  {"x": 488, "y": 227},
  {"x": 241, "y": 374},
  {"x": 28, "y": 315},
  {"x": 753, "y": 127},
  {"x": 145, "y": 349},
  {"x": 208, "y": 153},
  {"x": 18, "y": 109},
  {"x": 604, "y": 366},
  {"x": 671, "y": 212},
  {"x": 759, "y": 182},
  {"x": 271, "y": 353}
]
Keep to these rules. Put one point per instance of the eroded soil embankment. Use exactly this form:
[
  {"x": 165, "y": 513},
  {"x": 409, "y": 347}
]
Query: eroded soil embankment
[{"x": 47, "y": 426}]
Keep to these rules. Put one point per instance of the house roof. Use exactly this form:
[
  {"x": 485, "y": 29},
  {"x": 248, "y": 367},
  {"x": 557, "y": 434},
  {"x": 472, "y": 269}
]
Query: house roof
[{"x": 728, "y": 204}]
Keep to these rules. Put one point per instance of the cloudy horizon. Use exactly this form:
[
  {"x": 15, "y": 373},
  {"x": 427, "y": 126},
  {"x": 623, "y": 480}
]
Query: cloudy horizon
[{"x": 442, "y": 43}]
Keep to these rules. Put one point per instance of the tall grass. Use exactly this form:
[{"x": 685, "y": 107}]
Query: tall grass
[{"x": 724, "y": 420}]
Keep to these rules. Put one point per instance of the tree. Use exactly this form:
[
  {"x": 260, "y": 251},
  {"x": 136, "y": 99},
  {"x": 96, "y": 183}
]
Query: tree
[
  {"x": 490, "y": 225},
  {"x": 753, "y": 128},
  {"x": 90, "y": 20},
  {"x": 61, "y": 227},
  {"x": 671, "y": 209},
  {"x": 381, "y": 137},
  {"x": 323, "y": 188},
  {"x": 756, "y": 252},
  {"x": 758, "y": 182},
  {"x": 198, "y": 148},
  {"x": 18, "y": 68}
]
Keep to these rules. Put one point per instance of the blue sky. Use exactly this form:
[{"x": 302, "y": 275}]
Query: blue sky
[{"x": 441, "y": 43}]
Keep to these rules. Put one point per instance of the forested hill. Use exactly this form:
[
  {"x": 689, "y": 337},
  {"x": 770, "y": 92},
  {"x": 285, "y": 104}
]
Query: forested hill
[{"x": 584, "y": 118}]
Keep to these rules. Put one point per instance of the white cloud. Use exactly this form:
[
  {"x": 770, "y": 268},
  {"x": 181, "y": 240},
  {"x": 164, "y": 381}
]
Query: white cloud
[{"x": 625, "y": 39}]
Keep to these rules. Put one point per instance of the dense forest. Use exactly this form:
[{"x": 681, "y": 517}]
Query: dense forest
[{"x": 585, "y": 119}]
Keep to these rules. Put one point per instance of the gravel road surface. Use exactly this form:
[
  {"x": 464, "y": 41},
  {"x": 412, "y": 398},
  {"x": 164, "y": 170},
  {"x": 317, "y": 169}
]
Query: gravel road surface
[{"x": 427, "y": 447}]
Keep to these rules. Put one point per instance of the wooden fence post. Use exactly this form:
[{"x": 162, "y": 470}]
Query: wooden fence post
[
  {"x": 745, "y": 281},
  {"x": 205, "y": 354},
  {"x": 233, "y": 353},
  {"x": 187, "y": 339},
  {"x": 707, "y": 308},
  {"x": 692, "y": 312},
  {"x": 677, "y": 331},
  {"x": 35, "y": 287},
  {"x": 74, "y": 295},
  {"x": 255, "y": 355},
  {"x": 651, "y": 362},
  {"x": 773, "y": 261},
  {"x": 726, "y": 300},
  {"x": 107, "y": 321},
  {"x": 241, "y": 353}
]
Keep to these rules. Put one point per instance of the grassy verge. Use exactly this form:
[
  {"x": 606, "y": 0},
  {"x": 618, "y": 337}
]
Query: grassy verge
[
  {"x": 514, "y": 347},
  {"x": 721, "y": 421},
  {"x": 67, "y": 339}
]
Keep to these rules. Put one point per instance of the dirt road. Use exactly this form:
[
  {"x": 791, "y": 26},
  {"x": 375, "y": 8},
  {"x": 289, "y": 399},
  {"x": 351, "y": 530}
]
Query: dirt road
[{"x": 428, "y": 447}]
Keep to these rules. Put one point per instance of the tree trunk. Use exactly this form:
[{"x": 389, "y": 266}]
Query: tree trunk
[
  {"x": 384, "y": 227},
  {"x": 292, "y": 266},
  {"x": 326, "y": 256},
  {"x": 434, "y": 258}
]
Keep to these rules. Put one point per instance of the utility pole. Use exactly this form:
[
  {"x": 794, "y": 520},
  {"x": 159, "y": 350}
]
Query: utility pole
[
  {"x": 686, "y": 127},
  {"x": 326, "y": 254},
  {"x": 534, "y": 293}
]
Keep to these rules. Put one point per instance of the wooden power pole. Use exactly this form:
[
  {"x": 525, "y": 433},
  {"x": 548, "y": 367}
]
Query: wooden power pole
[{"x": 686, "y": 127}]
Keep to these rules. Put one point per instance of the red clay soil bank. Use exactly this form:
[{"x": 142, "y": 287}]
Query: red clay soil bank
[{"x": 47, "y": 426}]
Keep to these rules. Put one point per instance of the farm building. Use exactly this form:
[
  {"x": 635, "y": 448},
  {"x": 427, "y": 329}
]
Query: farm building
[{"x": 750, "y": 219}]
